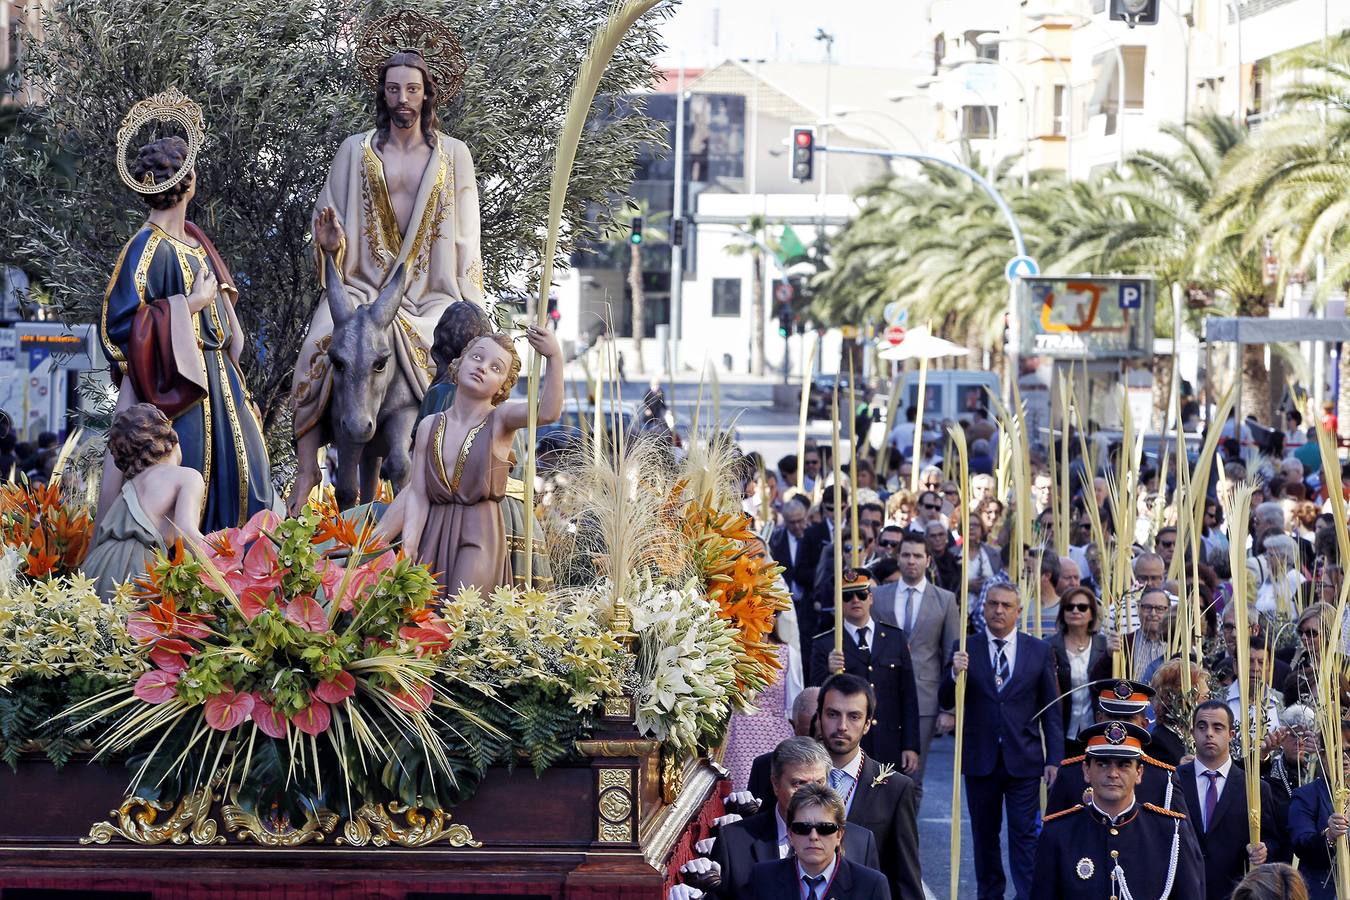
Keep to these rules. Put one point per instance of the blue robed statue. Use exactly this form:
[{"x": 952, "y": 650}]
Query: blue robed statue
[{"x": 169, "y": 328}]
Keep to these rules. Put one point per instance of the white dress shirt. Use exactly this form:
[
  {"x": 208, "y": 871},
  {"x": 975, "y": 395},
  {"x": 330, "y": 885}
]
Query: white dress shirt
[
  {"x": 907, "y": 615},
  {"x": 828, "y": 875},
  {"x": 1009, "y": 651},
  {"x": 846, "y": 785},
  {"x": 1202, "y": 784},
  {"x": 1234, "y": 699},
  {"x": 871, "y": 627},
  {"x": 784, "y": 848}
]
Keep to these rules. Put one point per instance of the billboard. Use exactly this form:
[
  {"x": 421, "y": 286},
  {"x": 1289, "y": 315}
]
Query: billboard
[{"x": 1088, "y": 317}]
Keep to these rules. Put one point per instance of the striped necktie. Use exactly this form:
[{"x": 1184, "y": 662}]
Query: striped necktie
[{"x": 1002, "y": 671}]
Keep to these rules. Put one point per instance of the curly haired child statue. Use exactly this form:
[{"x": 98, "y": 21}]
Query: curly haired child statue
[
  {"x": 462, "y": 458},
  {"x": 160, "y": 499}
]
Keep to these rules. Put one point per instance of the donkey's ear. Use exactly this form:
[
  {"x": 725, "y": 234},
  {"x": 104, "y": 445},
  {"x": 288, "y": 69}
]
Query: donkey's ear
[
  {"x": 386, "y": 305},
  {"x": 340, "y": 305}
]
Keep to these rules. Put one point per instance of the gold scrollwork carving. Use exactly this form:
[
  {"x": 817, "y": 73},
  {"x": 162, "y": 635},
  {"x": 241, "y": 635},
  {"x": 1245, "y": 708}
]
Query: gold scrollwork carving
[
  {"x": 275, "y": 829},
  {"x": 615, "y": 805},
  {"x": 617, "y": 748},
  {"x": 672, "y": 777},
  {"x": 618, "y": 706},
  {"x": 138, "y": 820},
  {"x": 375, "y": 824}
]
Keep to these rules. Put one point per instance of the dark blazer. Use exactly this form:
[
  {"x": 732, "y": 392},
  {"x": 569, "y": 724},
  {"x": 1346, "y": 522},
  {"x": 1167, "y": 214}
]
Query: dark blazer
[
  {"x": 808, "y": 555},
  {"x": 754, "y": 840},
  {"x": 760, "y": 784},
  {"x": 1224, "y": 843},
  {"x": 1007, "y": 719},
  {"x": 1309, "y": 810},
  {"x": 1166, "y": 745},
  {"x": 793, "y": 571},
  {"x": 777, "y": 880},
  {"x": 890, "y": 811},
  {"x": 1096, "y": 653},
  {"x": 888, "y": 668}
]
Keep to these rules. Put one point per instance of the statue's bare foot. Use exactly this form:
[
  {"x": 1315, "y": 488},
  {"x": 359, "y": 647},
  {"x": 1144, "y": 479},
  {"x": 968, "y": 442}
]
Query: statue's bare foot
[{"x": 304, "y": 484}]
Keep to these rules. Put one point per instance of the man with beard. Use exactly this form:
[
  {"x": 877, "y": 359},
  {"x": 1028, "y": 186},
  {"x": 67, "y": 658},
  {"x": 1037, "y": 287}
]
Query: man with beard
[
  {"x": 885, "y": 803},
  {"x": 400, "y": 195}
]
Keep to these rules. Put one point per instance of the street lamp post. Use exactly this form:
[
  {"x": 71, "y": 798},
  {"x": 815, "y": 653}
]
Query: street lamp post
[{"x": 992, "y": 39}]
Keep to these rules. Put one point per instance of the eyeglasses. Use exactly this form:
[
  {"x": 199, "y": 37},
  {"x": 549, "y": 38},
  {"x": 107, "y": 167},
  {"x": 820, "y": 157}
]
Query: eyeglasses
[
  {"x": 934, "y": 507},
  {"x": 1309, "y": 632},
  {"x": 1077, "y": 607},
  {"x": 1167, "y": 545},
  {"x": 888, "y": 545},
  {"x": 1150, "y": 608},
  {"x": 824, "y": 829},
  {"x": 951, "y": 492}
]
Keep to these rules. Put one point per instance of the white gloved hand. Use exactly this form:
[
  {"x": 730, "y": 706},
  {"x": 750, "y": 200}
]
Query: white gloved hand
[
  {"x": 728, "y": 819},
  {"x": 704, "y": 847},
  {"x": 684, "y": 892}
]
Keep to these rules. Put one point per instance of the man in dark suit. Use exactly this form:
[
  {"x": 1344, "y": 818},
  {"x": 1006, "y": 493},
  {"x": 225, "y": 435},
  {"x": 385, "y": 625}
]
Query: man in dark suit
[
  {"x": 804, "y": 706},
  {"x": 1216, "y": 792},
  {"x": 879, "y": 654},
  {"x": 931, "y": 620},
  {"x": 1010, "y": 678},
  {"x": 788, "y": 546},
  {"x": 887, "y": 805},
  {"x": 797, "y": 762},
  {"x": 816, "y": 870}
]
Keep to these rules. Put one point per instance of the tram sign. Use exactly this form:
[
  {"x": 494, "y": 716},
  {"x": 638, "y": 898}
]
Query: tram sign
[{"x": 1085, "y": 317}]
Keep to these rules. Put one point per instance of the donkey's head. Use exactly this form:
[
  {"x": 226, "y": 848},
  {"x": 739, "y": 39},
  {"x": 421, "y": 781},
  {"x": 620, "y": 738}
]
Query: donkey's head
[{"x": 361, "y": 356}]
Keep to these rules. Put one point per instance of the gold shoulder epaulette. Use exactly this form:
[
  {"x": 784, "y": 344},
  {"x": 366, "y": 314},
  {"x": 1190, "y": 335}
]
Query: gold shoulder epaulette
[
  {"x": 1159, "y": 763},
  {"x": 1063, "y": 812},
  {"x": 1166, "y": 812},
  {"x": 1072, "y": 760}
]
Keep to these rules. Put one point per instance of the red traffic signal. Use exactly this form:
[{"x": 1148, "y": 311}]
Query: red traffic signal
[{"x": 803, "y": 157}]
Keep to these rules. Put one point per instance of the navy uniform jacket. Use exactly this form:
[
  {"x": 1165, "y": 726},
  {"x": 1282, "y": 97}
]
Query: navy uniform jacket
[
  {"x": 1005, "y": 721},
  {"x": 1074, "y": 862},
  {"x": 777, "y": 880},
  {"x": 1224, "y": 842},
  {"x": 888, "y": 668},
  {"x": 1067, "y": 791},
  {"x": 1309, "y": 810}
]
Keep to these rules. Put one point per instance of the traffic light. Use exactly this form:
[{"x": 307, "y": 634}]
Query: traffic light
[
  {"x": 803, "y": 154},
  {"x": 677, "y": 232},
  {"x": 636, "y": 237},
  {"x": 784, "y": 320},
  {"x": 1135, "y": 12}
]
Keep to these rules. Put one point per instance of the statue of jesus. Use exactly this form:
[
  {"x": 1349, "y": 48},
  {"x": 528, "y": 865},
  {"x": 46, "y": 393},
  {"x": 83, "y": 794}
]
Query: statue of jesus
[{"x": 401, "y": 196}]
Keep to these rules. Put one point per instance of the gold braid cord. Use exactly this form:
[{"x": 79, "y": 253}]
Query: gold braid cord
[
  {"x": 406, "y": 31},
  {"x": 168, "y": 106}
]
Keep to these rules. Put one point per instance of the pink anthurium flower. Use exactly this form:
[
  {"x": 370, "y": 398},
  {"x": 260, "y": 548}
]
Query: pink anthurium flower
[
  {"x": 306, "y": 612},
  {"x": 253, "y": 601},
  {"x": 269, "y": 721},
  {"x": 337, "y": 689},
  {"x": 263, "y": 520},
  {"x": 313, "y": 719},
  {"x": 156, "y": 686},
  {"x": 417, "y": 700},
  {"x": 227, "y": 709},
  {"x": 330, "y": 576},
  {"x": 142, "y": 627},
  {"x": 368, "y": 574},
  {"x": 168, "y": 661}
]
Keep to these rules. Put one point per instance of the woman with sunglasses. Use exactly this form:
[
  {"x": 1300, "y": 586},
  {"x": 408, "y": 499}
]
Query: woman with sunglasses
[
  {"x": 1078, "y": 645},
  {"x": 816, "y": 869}
]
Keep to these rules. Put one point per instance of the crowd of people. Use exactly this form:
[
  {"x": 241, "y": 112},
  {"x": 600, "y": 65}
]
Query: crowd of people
[{"x": 1116, "y": 772}]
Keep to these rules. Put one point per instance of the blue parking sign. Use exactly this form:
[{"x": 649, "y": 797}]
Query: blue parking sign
[{"x": 1131, "y": 294}]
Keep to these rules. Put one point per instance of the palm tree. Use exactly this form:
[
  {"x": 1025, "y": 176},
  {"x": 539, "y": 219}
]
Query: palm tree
[
  {"x": 1292, "y": 180},
  {"x": 752, "y": 238},
  {"x": 618, "y": 239}
]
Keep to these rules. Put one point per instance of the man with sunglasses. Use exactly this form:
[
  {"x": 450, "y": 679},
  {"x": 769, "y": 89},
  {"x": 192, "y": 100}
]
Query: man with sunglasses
[
  {"x": 1114, "y": 844},
  {"x": 817, "y": 869},
  {"x": 796, "y": 763},
  {"x": 930, "y": 508},
  {"x": 879, "y": 654}
]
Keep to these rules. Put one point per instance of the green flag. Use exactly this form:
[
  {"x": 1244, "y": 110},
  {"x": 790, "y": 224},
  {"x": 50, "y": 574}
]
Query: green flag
[{"x": 790, "y": 245}]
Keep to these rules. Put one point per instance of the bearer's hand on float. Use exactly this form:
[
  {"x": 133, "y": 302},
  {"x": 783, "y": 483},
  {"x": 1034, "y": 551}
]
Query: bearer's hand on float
[
  {"x": 704, "y": 847},
  {"x": 328, "y": 231},
  {"x": 836, "y": 661},
  {"x": 684, "y": 892},
  {"x": 203, "y": 291},
  {"x": 701, "y": 874},
  {"x": 544, "y": 342},
  {"x": 728, "y": 819},
  {"x": 742, "y": 803}
]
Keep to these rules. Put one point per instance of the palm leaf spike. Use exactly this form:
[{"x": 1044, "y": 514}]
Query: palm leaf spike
[{"x": 623, "y": 16}]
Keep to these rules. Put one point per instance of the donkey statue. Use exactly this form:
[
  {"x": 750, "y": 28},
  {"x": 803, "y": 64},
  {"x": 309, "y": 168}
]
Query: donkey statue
[{"x": 371, "y": 413}]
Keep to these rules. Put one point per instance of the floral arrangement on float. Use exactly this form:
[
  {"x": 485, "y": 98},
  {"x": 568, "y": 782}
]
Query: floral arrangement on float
[{"x": 51, "y": 535}]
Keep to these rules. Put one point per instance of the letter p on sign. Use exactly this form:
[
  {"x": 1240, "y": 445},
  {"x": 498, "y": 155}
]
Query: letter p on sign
[{"x": 1131, "y": 295}]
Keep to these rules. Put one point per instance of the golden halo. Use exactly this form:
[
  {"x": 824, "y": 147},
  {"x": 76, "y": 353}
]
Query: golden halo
[
  {"x": 406, "y": 31},
  {"x": 168, "y": 106}
]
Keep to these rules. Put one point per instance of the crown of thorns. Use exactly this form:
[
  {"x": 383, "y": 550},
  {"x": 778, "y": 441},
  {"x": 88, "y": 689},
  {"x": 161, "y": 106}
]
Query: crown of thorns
[
  {"x": 406, "y": 31},
  {"x": 167, "y": 106}
]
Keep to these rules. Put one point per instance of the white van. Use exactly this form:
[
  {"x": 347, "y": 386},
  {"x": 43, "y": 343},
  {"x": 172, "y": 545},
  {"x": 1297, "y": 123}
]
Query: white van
[{"x": 948, "y": 394}]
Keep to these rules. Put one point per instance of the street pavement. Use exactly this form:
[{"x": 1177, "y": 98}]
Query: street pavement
[{"x": 748, "y": 405}]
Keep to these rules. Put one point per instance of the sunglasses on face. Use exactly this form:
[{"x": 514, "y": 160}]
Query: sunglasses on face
[
  {"x": 1309, "y": 632},
  {"x": 934, "y": 507},
  {"x": 888, "y": 545},
  {"x": 1167, "y": 545},
  {"x": 824, "y": 829},
  {"x": 1077, "y": 607}
]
